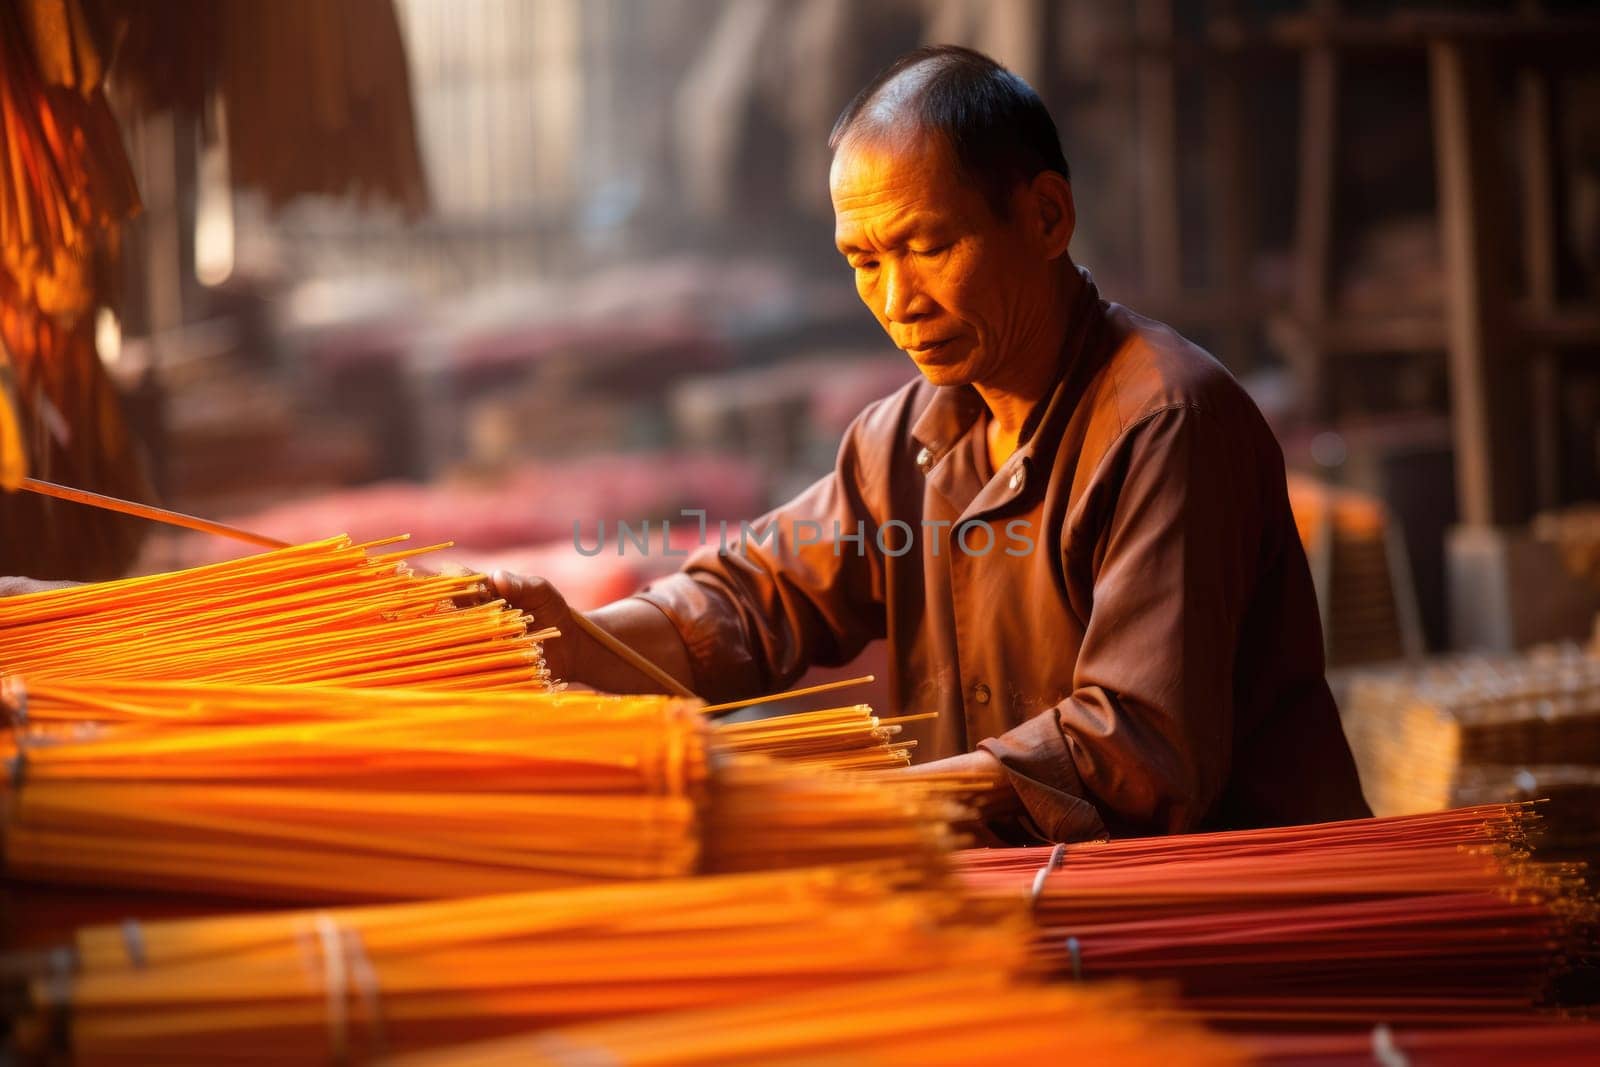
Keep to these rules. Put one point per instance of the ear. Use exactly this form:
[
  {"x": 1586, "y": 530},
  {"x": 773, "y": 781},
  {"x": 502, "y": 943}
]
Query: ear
[{"x": 1056, "y": 214}]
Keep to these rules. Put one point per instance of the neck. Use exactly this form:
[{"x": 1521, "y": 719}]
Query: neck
[{"x": 1030, "y": 372}]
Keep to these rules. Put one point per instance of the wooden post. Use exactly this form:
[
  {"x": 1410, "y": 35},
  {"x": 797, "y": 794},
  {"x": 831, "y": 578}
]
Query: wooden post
[
  {"x": 1486, "y": 401},
  {"x": 1314, "y": 207},
  {"x": 1156, "y": 96},
  {"x": 1535, "y": 138},
  {"x": 1231, "y": 231},
  {"x": 1012, "y": 32}
]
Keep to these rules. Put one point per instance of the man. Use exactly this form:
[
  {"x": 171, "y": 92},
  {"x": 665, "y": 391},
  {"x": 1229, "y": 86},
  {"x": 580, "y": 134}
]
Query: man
[{"x": 1073, "y": 530}]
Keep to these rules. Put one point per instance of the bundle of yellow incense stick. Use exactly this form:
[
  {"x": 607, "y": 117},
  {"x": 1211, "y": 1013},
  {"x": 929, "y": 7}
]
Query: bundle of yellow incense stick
[
  {"x": 320, "y": 613},
  {"x": 954, "y": 1017},
  {"x": 355, "y": 984},
  {"x": 1438, "y": 919}
]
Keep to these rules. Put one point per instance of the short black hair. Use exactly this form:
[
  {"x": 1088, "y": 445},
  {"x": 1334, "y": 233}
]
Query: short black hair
[{"x": 999, "y": 129}]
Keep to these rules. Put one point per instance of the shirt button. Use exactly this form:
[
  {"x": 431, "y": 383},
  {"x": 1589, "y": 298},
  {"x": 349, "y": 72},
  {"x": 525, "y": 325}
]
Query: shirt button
[
  {"x": 1018, "y": 477},
  {"x": 925, "y": 459},
  {"x": 980, "y": 694}
]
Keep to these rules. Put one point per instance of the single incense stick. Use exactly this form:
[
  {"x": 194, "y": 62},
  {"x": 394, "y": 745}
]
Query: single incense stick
[
  {"x": 865, "y": 679},
  {"x": 633, "y": 659},
  {"x": 147, "y": 511}
]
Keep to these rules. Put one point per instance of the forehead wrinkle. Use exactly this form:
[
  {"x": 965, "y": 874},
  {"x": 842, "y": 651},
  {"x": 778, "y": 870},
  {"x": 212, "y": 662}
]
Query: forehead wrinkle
[
  {"x": 884, "y": 191},
  {"x": 890, "y": 232}
]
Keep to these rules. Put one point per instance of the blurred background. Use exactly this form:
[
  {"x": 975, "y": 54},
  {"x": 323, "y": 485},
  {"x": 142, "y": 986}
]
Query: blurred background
[{"x": 480, "y": 271}]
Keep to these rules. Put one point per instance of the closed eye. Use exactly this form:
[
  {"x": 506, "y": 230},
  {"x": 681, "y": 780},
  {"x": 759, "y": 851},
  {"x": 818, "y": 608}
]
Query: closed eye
[{"x": 929, "y": 253}]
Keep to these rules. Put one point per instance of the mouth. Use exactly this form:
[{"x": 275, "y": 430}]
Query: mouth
[{"x": 928, "y": 347}]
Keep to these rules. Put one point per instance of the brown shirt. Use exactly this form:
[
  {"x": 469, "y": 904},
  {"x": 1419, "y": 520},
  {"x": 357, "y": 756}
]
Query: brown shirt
[{"x": 1122, "y": 614}]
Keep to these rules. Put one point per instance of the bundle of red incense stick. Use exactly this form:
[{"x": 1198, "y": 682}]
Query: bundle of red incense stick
[{"x": 1437, "y": 919}]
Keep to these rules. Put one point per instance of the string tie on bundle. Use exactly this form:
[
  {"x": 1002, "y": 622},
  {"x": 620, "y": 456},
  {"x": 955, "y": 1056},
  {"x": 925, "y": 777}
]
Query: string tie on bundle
[
  {"x": 133, "y": 942},
  {"x": 1384, "y": 1050},
  {"x": 1057, "y": 854}
]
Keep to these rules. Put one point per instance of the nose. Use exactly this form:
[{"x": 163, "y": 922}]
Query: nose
[{"x": 904, "y": 300}]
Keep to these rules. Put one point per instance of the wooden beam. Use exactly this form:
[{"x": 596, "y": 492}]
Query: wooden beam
[
  {"x": 1567, "y": 38},
  {"x": 1486, "y": 402}
]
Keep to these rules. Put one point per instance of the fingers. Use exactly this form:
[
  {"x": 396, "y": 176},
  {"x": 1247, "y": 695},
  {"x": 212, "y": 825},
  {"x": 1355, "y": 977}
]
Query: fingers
[
  {"x": 547, "y": 608},
  {"x": 19, "y": 586},
  {"x": 533, "y": 595}
]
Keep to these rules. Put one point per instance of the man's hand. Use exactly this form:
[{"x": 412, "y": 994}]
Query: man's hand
[
  {"x": 19, "y": 586},
  {"x": 576, "y": 656},
  {"x": 566, "y": 655},
  {"x": 993, "y": 798}
]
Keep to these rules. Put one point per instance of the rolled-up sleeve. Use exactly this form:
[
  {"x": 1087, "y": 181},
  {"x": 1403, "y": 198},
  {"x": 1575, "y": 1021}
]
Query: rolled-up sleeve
[
  {"x": 1167, "y": 539},
  {"x": 802, "y": 585}
]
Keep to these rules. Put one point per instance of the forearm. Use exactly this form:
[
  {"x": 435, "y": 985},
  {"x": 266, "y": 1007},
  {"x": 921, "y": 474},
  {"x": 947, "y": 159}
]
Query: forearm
[{"x": 646, "y": 629}]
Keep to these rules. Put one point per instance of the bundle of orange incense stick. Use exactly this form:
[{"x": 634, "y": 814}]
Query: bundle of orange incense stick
[
  {"x": 378, "y": 794},
  {"x": 764, "y": 813},
  {"x": 846, "y": 738},
  {"x": 320, "y": 613},
  {"x": 355, "y": 984},
  {"x": 1437, "y": 919},
  {"x": 946, "y": 1018},
  {"x": 130, "y": 707},
  {"x": 474, "y": 795}
]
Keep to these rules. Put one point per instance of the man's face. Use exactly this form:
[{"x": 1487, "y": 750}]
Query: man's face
[{"x": 959, "y": 289}]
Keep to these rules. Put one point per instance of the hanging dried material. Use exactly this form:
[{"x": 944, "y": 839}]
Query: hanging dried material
[
  {"x": 355, "y": 984},
  {"x": 58, "y": 35},
  {"x": 317, "y": 95},
  {"x": 65, "y": 190},
  {"x": 325, "y": 612},
  {"x": 65, "y": 183},
  {"x": 13, "y": 449},
  {"x": 71, "y": 421},
  {"x": 1436, "y": 919},
  {"x": 950, "y": 1017}
]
